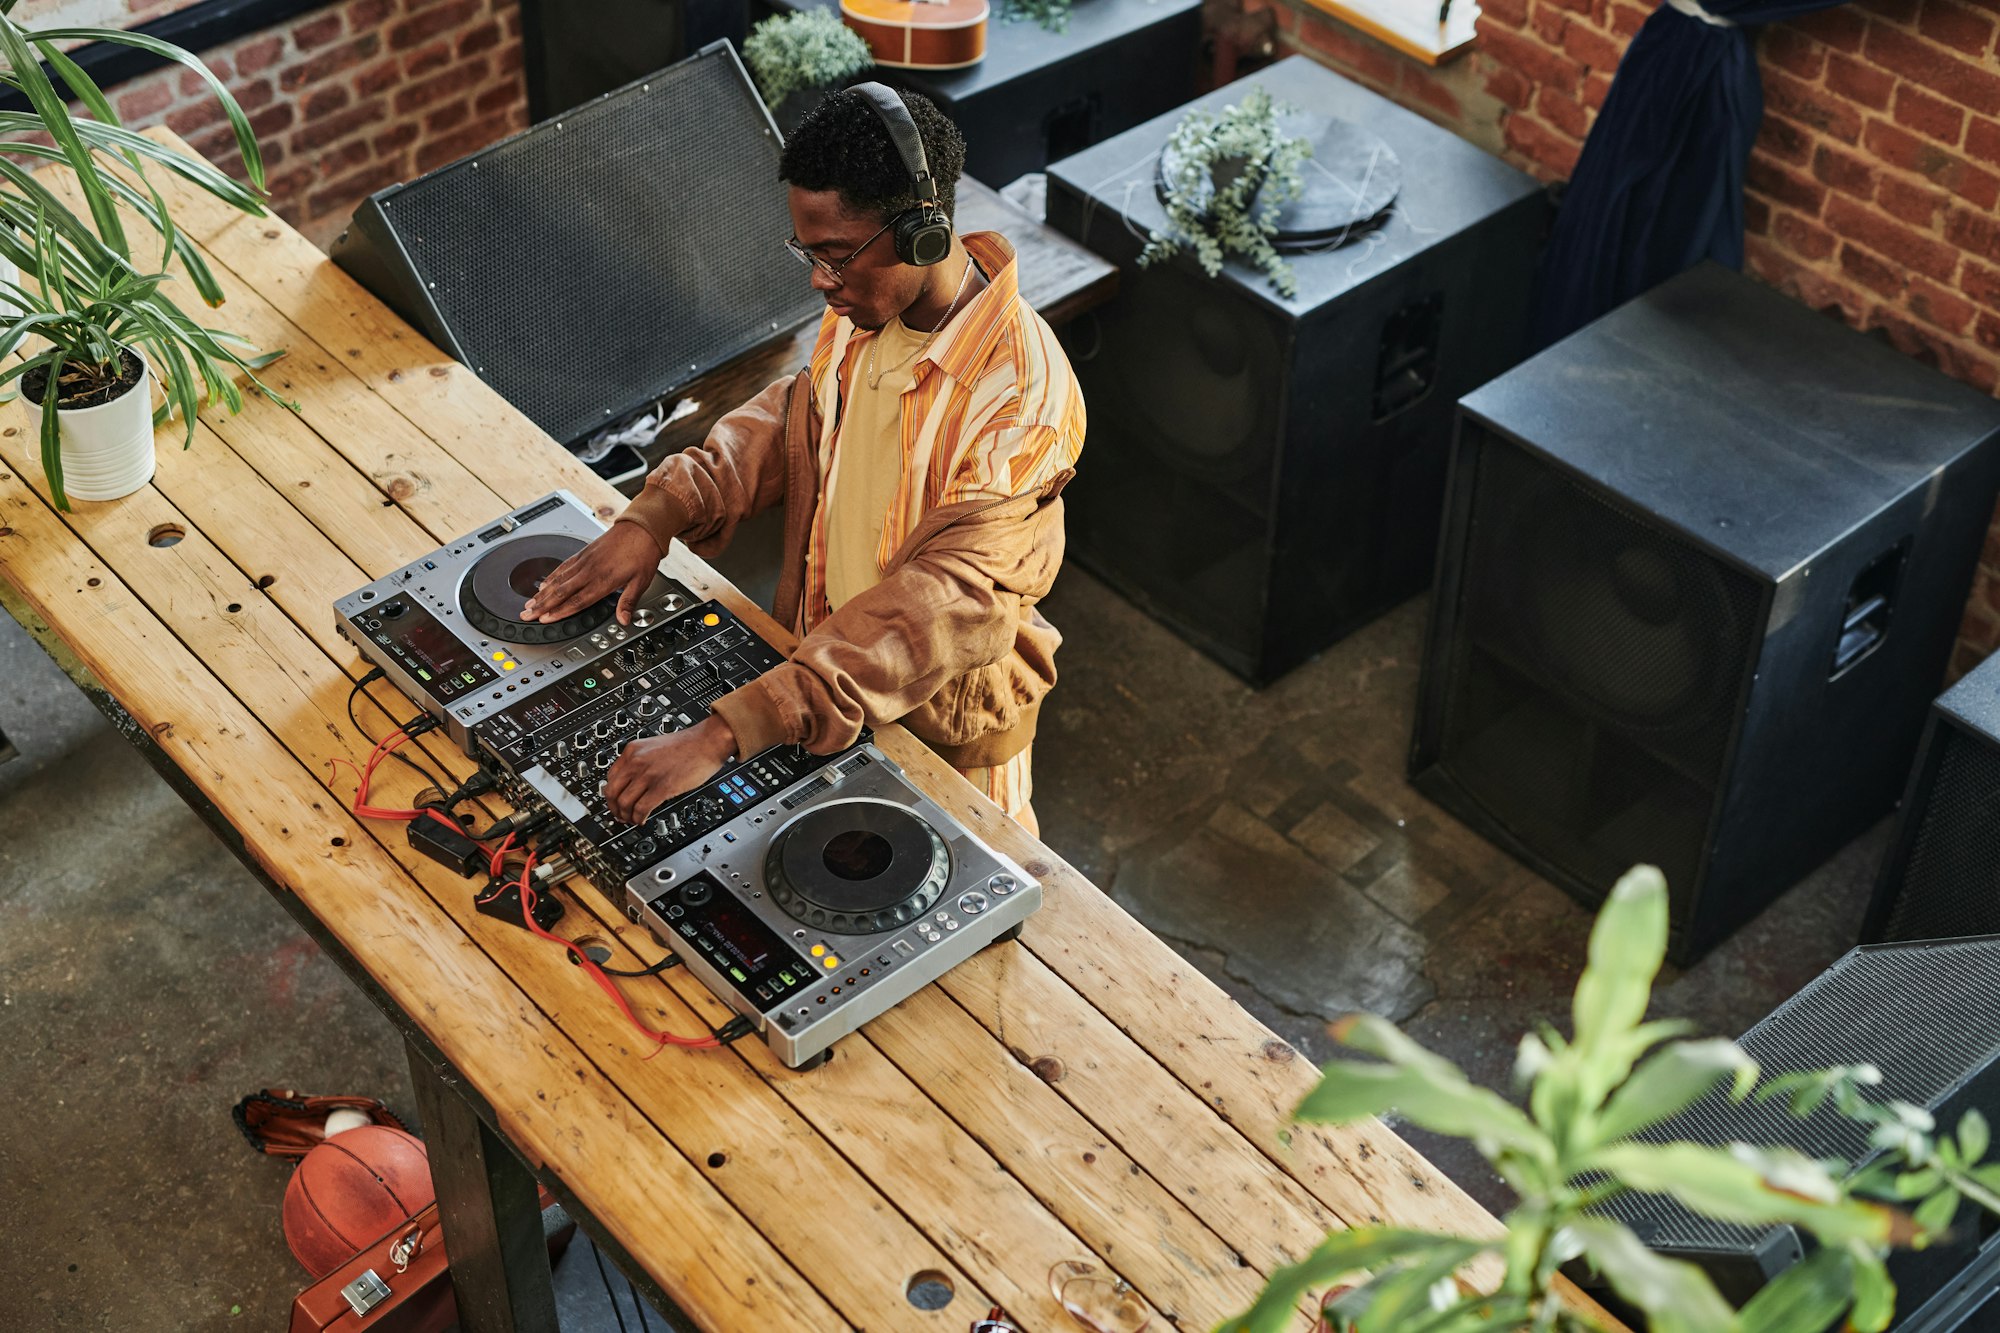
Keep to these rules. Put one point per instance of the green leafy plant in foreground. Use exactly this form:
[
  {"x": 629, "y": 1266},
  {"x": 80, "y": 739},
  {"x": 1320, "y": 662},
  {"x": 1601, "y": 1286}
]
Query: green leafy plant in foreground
[
  {"x": 1572, "y": 1148},
  {"x": 88, "y": 295}
]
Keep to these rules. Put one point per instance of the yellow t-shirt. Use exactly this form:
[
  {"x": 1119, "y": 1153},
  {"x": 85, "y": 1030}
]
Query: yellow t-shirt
[{"x": 867, "y": 462}]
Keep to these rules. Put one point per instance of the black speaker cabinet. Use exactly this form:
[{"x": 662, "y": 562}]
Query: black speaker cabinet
[
  {"x": 1039, "y": 96},
  {"x": 1942, "y": 875},
  {"x": 1265, "y": 473},
  {"x": 574, "y": 50},
  {"x": 1703, "y": 565},
  {"x": 1924, "y": 1015},
  {"x": 602, "y": 260}
]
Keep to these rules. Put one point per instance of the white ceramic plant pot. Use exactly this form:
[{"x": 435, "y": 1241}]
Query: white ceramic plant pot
[{"x": 107, "y": 450}]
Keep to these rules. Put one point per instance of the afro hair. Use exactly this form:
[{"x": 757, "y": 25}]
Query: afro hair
[{"x": 843, "y": 145}]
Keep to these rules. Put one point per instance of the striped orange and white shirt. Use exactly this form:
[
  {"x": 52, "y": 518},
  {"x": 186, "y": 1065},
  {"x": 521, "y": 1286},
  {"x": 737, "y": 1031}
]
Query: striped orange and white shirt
[{"x": 992, "y": 411}]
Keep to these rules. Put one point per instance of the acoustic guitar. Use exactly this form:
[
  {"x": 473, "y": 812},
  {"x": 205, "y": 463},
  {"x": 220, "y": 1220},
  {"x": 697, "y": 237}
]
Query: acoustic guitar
[{"x": 920, "y": 34}]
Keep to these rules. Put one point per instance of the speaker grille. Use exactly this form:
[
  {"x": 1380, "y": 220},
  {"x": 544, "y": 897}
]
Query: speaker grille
[
  {"x": 605, "y": 258},
  {"x": 1951, "y": 883},
  {"x": 1922, "y": 1014},
  {"x": 1592, "y": 690}
]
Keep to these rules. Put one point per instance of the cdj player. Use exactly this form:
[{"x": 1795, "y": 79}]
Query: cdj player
[{"x": 809, "y": 892}]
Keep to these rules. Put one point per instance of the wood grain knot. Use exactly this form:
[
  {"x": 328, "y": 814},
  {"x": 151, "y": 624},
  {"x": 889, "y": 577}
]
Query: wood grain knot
[
  {"x": 439, "y": 372},
  {"x": 6, "y": 532},
  {"x": 11, "y": 432},
  {"x": 266, "y": 580},
  {"x": 718, "y": 1159},
  {"x": 1048, "y": 1068},
  {"x": 395, "y": 377},
  {"x": 271, "y": 233},
  {"x": 88, "y": 583},
  {"x": 1278, "y": 1053},
  {"x": 400, "y": 488}
]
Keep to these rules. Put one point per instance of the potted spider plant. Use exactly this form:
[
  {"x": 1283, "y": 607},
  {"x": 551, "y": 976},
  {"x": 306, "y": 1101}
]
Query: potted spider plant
[{"x": 102, "y": 323}]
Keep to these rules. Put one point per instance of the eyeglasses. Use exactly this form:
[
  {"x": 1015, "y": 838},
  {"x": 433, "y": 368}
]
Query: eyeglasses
[
  {"x": 1099, "y": 1301},
  {"x": 832, "y": 267}
]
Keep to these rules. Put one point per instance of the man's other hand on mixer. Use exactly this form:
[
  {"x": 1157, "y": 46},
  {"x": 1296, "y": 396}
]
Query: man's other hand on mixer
[
  {"x": 651, "y": 772},
  {"x": 919, "y": 461}
]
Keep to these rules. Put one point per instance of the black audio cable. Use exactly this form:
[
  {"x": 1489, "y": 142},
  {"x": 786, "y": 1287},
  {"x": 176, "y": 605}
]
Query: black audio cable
[{"x": 361, "y": 685}]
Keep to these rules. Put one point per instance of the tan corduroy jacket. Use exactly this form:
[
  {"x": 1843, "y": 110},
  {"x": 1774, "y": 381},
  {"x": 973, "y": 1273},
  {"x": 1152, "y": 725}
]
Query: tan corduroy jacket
[{"x": 949, "y": 642}]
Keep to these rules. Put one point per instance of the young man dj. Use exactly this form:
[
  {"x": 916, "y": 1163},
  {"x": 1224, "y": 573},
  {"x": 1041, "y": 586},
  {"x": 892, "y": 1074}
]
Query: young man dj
[{"x": 919, "y": 461}]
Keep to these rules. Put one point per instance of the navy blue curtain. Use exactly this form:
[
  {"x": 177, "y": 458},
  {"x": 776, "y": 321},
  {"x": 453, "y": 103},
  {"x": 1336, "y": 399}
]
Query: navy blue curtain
[{"x": 1659, "y": 186}]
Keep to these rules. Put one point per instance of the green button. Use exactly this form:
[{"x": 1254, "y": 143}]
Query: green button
[
  {"x": 785, "y": 977},
  {"x": 590, "y": 682},
  {"x": 423, "y": 674},
  {"x": 737, "y": 972}
]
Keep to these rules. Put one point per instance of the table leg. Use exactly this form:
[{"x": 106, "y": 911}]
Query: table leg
[{"x": 488, "y": 1208}]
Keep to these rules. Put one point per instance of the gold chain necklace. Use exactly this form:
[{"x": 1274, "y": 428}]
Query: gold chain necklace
[{"x": 875, "y": 377}]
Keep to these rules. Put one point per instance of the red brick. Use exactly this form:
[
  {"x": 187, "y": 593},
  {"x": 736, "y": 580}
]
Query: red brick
[
  {"x": 1916, "y": 59},
  {"x": 377, "y": 78},
  {"x": 427, "y": 59},
  {"x": 323, "y": 101},
  {"x": 509, "y": 59},
  {"x": 1786, "y": 96},
  {"x": 259, "y": 55},
  {"x": 426, "y": 24},
  {"x": 1955, "y": 26},
  {"x": 1756, "y": 216},
  {"x": 509, "y": 97},
  {"x": 1592, "y": 47},
  {"x": 365, "y": 14},
  {"x": 254, "y": 95},
  {"x": 1844, "y": 171},
  {"x": 1978, "y": 233},
  {"x": 1914, "y": 204},
  {"x": 395, "y": 139},
  {"x": 1537, "y": 62},
  {"x": 1896, "y": 11},
  {"x": 1982, "y": 140},
  {"x": 1544, "y": 151},
  {"x": 512, "y": 18},
  {"x": 289, "y": 184},
  {"x": 1806, "y": 239},
  {"x": 148, "y": 99},
  {"x": 1352, "y": 52},
  {"x": 1422, "y": 89},
  {"x": 193, "y": 85},
  {"x": 1587, "y": 8},
  {"x": 1549, "y": 24},
  {"x": 343, "y": 195},
  {"x": 1840, "y": 27},
  {"x": 1938, "y": 307},
  {"x": 344, "y": 158},
  {"x": 1982, "y": 284},
  {"x": 1858, "y": 82},
  {"x": 1794, "y": 52},
  {"x": 1891, "y": 239},
  {"x": 482, "y": 38},
  {"x": 317, "y": 31},
  {"x": 448, "y": 117},
  {"x": 1808, "y": 285},
  {"x": 273, "y": 119},
  {"x": 1901, "y": 149},
  {"x": 428, "y": 92},
  {"x": 1564, "y": 113},
  {"x": 189, "y": 119},
  {"x": 1596, "y": 87},
  {"x": 1786, "y": 142},
  {"x": 1506, "y": 13},
  {"x": 329, "y": 62},
  {"x": 1925, "y": 114},
  {"x": 454, "y": 146},
  {"x": 1774, "y": 182},
  {"x": 1626, "y": 20},
  {"x": 1871, "y": 271},
  {"x": 320, "y": 133},
  {"x": 1511, "y": 87}
]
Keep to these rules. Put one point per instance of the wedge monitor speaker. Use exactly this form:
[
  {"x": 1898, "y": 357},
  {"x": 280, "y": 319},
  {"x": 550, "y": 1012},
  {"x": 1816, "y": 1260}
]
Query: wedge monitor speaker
[
  {"x": 1703, "y": 565},
  {"x": 1942, "y": 874},
  {"x": 1265, "y": 473},
  {"x": 603, "y": 259},
  {"x": 1922, "y": 1014}
]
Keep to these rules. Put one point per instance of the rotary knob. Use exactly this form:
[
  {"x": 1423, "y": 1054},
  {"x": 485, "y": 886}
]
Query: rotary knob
[{"x": 648, "y": 708}]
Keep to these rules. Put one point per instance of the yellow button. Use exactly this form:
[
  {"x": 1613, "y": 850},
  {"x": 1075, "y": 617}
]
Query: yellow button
[
  {"x": 508, "y": 666},
  {"x": 711, "y": 619},
  {"x": 500, "y": 657},
  {"x": 832, "y": 962},
  {"x": 819, "y": 951}
]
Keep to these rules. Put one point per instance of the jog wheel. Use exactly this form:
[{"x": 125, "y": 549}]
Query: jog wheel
[
  {"x": 503, "y": 580},
  {"x": 857, "y": 867}
]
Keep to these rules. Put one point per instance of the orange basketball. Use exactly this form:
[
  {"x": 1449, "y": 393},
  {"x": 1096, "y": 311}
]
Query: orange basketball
[{"x": 352, "y": 1189}]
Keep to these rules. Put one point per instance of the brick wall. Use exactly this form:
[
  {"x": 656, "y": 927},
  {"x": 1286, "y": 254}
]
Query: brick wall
[
  {"x": 1872, "y": 191},
  {"x": 347, "y": 99}
]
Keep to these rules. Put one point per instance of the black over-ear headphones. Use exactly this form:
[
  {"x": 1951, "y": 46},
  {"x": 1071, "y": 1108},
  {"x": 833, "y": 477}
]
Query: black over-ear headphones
[{"x": 922, "y": 235}]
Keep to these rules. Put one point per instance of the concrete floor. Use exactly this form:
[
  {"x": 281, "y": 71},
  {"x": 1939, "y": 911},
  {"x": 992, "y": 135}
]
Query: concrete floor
[{"x": 147, "y": 981}]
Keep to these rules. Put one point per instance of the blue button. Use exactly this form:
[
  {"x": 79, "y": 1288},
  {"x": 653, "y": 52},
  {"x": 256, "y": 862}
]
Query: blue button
[
  {"x": 734, "y": 799},
  {"x": 729, "y": 837}
]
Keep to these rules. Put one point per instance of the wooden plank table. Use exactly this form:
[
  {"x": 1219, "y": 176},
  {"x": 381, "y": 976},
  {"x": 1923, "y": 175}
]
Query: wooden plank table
[{"x": 1081, "y": 1094}]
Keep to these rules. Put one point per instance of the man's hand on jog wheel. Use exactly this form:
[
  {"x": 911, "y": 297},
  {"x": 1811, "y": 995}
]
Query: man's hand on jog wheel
[{"x": 625, "y": 558}]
